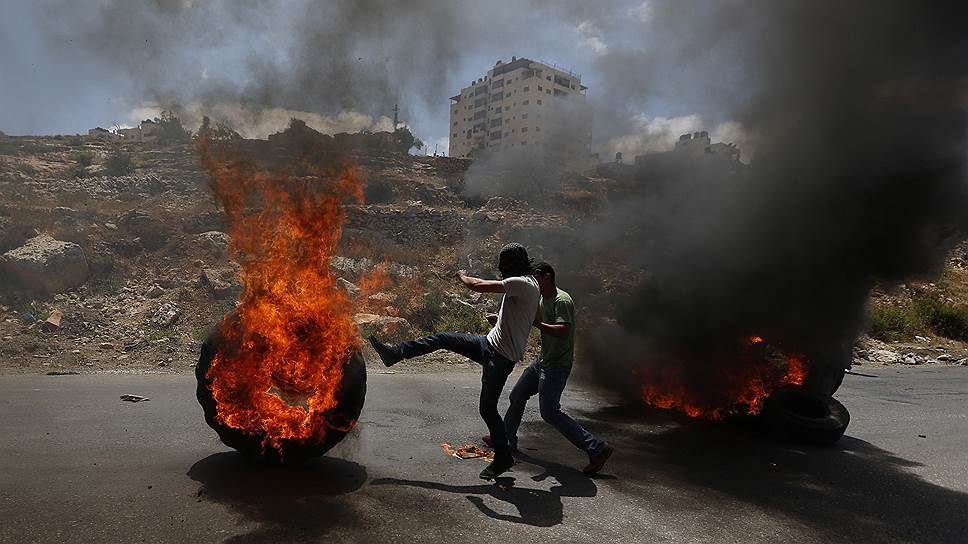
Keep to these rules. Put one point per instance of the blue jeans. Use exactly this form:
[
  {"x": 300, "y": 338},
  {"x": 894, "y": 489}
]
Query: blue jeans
[
  {"x": 548, "y": 383},
  {"x": 495, "y": 375}
]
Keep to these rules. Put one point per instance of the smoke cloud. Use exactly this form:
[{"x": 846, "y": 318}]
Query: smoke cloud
[{"x": 859, "y": 114}]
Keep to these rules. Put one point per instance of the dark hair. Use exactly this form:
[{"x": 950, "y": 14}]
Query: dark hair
[
  {"x": 545, "y": 269},
  {"x": 514, "y": 261}
]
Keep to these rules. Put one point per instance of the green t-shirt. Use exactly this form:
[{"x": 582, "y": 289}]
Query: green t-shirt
[{"x": 555, "y": 351}]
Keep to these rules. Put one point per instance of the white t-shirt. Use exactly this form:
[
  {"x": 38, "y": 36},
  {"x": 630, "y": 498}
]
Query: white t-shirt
[{"x": 518, "y": 307}]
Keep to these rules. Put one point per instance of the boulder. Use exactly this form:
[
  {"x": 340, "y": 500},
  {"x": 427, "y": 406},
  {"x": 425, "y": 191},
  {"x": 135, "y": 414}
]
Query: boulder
[
  {"x": 214, "y": 242},
  {"x": 166, "y": 315},
  {"x": 391, "y": 329},
  {"x": 46, "y": 265},
  {"x": 348, "y": 286},
  {"x": 221, "y": 281}
]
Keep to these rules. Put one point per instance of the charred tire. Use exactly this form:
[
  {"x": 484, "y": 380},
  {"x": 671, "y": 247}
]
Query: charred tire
[
  {"x": 801, "y": 415},
  {"x": 350, "y": 400}
]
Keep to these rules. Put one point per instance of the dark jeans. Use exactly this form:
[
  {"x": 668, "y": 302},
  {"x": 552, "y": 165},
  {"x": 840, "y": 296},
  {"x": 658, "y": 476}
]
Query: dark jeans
[
  {"x": 548, "y": 383},
  {"x": 496, "y": 370}
]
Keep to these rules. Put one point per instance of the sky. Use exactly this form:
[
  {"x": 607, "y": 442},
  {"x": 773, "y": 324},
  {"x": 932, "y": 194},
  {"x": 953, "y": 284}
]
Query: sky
[{"x": 342, "y": 65}]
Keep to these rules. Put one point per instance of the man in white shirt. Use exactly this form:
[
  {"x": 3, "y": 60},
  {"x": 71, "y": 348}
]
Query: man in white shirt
[{"x": 497, "y": 351}]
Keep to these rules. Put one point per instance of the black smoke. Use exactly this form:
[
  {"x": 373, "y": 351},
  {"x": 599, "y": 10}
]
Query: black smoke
[{"x": 859, "y": 111}]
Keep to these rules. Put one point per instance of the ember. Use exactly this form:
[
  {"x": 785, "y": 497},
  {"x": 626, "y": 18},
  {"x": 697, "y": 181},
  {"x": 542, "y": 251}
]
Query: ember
[{"x": 283, "y": 374}]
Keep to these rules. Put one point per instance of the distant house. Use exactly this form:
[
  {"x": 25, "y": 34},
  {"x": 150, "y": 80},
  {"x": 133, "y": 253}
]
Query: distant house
[
  {"x": 102, "y": 134},
  {"x": 130, "y": 134},
  {"x": 150, "y": 130}
]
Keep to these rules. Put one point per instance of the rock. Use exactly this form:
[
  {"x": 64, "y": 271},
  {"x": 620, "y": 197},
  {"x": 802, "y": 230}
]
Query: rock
[
  {"x": 53, "y": 322},
  {"x": 155, "y": 291},
  {"x": 46, "y": 265},
  {"x": 221, "y": 282},
  {"x": 214, "y": 242},
  {"x": 884, "y": 356},
  {"x": 110, "y": 226},
  {"x": 387, "y": 328},
  {"x": 348, "y": 286},
  {"x": 380, "y": 298},
  {"x": 165, "y": 315},
  {"x": 105, "y": 345},
  {"x": 205, "y": 222},
  {"x": 912, "y": 359}
]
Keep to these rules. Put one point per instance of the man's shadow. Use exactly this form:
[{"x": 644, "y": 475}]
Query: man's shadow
[
  {"x": 285, "y": 501},
  {"x": 535, "y": 507}
]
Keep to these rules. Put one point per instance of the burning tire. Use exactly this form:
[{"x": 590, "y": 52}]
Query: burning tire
[
  {"x": 333, "y": 424},
  {"x": 798, "y": 414}
]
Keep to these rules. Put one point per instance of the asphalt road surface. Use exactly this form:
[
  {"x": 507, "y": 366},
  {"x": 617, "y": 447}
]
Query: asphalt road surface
[{"x": 79, "y": 465}]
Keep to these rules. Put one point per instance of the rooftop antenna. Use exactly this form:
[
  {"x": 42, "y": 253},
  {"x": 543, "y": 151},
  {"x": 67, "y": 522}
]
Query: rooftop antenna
[{"x": 396, "y": 118}]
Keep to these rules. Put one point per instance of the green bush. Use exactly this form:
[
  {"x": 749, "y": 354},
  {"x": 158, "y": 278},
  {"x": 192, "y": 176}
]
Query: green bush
[
  {"x": 118, "y": 163},
  {"x": 435, "y": 313},
  {"x": 26, "y": 168},
  {"x": 100, "y": 264},
  {"x": 888, "y": 324},
  {"x": 84, "y": 158},
  {"x": 924, "y": 314}
]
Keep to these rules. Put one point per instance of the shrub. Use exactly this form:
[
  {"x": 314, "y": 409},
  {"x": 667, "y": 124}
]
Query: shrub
[
  {"x": 434, "y": 313},
  {"x": 84, "y": 158},
  {"x": 888, "y": 323},
  {"x": 26, "y": 168},
  {"x": 100, "y": 264},
  {"x": 949, "y": 321},
  {"x": 118, "y": 163}
]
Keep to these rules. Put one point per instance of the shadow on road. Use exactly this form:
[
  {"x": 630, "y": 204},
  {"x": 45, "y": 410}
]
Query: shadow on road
[
  {"x": 535, "y": 507},
  {"x": 284, "y": 501},
  {"x": 853, "y": 491}
]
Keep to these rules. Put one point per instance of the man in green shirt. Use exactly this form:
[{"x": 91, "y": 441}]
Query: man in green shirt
[{"x": 548, "y": 375}]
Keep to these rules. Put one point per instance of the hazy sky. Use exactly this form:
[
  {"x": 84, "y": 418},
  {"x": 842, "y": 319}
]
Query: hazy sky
[{"x": 67, "y": 66}]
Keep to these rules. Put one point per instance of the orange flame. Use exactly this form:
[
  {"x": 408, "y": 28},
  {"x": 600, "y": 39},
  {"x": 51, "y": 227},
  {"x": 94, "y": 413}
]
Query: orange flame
[
  {"x": 280, "y": 368},
  {"x": 740, "y": 388}
]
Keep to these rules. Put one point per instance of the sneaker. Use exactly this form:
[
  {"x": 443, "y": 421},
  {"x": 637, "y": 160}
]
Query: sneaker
[
  {"x": 388, "y": 354},
  {"x": 597, "y": 461},
  {"x": 497, "y": 467},
  {"x": 490, "y": 443}
]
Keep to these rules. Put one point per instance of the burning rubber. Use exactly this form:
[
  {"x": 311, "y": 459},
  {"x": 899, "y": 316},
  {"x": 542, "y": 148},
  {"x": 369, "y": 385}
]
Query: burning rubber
[
  {"x": 798, "y": 414},
  {"x": 289, "y": 405}
]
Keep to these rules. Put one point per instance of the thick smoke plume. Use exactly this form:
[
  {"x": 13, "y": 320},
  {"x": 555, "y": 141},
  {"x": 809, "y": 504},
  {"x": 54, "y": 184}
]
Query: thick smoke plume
[{"x": 859, "y": 111}]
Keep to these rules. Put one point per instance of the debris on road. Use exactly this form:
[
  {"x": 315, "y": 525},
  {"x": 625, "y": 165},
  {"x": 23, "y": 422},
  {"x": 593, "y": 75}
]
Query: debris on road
[
  {"x": 133, "y": 398},
  {"x": 467, "y": 451},
  {"x": 53, "y": 322},
  {"x": 63, "y": 373}
]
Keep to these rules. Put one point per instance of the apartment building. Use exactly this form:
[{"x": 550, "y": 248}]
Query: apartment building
[{"x": 522, "y": 104}]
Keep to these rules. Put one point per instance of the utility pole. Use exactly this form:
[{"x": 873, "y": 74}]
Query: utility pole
[{"x": 396, "y": 117}]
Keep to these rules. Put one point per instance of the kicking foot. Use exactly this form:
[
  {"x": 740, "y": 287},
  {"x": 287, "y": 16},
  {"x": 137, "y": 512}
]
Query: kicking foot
[
  {"x": 597, "y": 461},
  {"x": 497, "y": 467},
  {"x": 490, "y": 443},
  {"x": 388, "y": 354}
]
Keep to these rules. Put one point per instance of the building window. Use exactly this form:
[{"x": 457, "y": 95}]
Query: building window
[
  {"x": 480, "y": 102},
  {"x": 537, "y": 129},
  {"x": 524, "y": 129},
  {"x": 524, "y": 142},
  {"x": 496, "y": 84},
  {"x": 559, "y": 92},
  {"x": 495, "y": 123},
  {"x": 454, "y": 135},
  {"x": 525, "y": 103},
  {"x": 527, "y": 88},
  {"x": 479, "y": 115},
  {"x": 539, "y": 88},
  {"x": 539, "y": 101},
  {"x": 523, "y": 116},
  {"x": 495, "y": 135},
  {"x": 547, "y": 91},
  {"x": 548, "y": 78},
  {"x": 455, "y": 123},
  {"x": 497, "y": 110},
  {"x": 507, "y": 133},
  {"x": 507, "y": 95}
]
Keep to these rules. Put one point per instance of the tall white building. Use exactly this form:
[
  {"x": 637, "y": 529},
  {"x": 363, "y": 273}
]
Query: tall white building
[{"x": 522, "y": 104}]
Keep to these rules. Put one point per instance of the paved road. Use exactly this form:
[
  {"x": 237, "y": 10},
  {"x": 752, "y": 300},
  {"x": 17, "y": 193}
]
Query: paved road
[{"x": 78, "y": 465}]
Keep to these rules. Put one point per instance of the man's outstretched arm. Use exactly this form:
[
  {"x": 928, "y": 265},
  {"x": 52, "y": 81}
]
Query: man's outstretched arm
[{"x": 479, "y": 285}]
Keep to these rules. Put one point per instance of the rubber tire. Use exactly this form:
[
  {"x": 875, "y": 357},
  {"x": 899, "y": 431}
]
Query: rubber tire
[
  {"x": 350, "y": 400},
  {"x": 786, "y": 415}
]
